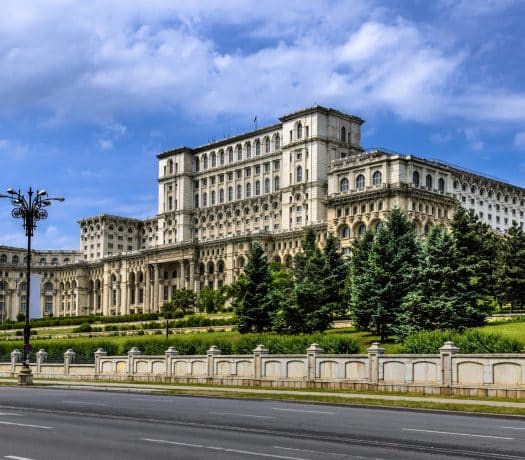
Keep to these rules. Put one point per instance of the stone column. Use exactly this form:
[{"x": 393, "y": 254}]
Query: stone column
[
  {"x": 170, "y": 353},
  {"x": 69, "y": 358},
  {"x": 445, "y": 353},
  {"x": 132, "y": 354},
  {"x": 124, "y": 302},
  {"x": 147, "y": 287},
  {"x": 16, "y": 357},
  {"x": 41, "y": 357},
  {"x": 212, "y": 352},
  {"x": 312, "y": 353},
  {"x": 374, "y": 353},
  {"x": 155, "y": 288},
  {"x": 100, "y": 353},
  {"x": 258, "y": 354}
]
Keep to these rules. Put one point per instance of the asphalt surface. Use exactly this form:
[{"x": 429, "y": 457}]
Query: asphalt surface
[{"x": 56, "y": 424}]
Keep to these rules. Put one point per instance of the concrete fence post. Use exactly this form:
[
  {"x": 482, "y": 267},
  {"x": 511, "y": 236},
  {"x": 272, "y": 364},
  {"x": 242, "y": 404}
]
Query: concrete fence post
[
  {"x": 258, "y": 352},
  {"x": 375, "y": 351},
  {"x": 170, "y": 353},
  {"x": 16, "y": 357},
  {"x": 212, "y": 352},
  {"x": 100, "y": 353},
  {"x": 445, "y": 353},
  {"x": 312, "y": 352},
  {"x": 69, "y": 358},
  {"x": 41, "y": 358},
  {"x": 132, "y": 354}
]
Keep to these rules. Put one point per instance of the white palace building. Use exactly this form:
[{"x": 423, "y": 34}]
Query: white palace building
[{"x": 308, "y": 170}]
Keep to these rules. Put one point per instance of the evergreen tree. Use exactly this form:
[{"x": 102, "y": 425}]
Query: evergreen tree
[
  {"x": 440, "y": 297},
  {"x": 511, "y": 267},
  {"x": 389, "y": 273},
  {"x": 358, "y": 279},
  {"x": 338, "y": 272},
  {"x": 477, "y": 246},
  {"x": 252, "y": 300}
]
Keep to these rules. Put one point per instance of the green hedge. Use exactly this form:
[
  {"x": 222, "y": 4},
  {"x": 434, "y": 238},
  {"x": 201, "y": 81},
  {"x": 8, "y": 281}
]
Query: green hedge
[
  {"x": 470, "y": 341},
  {"x": 187, "y": 344}
]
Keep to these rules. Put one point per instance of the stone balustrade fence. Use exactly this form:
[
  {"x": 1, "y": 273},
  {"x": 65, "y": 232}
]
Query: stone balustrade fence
[{"x": 448, "y": 372}]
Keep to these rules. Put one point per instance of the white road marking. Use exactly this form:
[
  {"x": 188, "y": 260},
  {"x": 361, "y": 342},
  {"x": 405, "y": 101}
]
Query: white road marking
[
  {"x": 29, "y": 426},
  {"x": 303, "y": 410},
  {"x": 324, "y": 453},
  {"x": 14, "y": 457},
  {"x": 513, "y": 427},
  {"x": 223, "y": 449},
  {"x": 242, "y": 415},
  {"x": 458, "y": 434},
  {"x": 10, "y": 413},
  {"x": 84, "y": 402}
]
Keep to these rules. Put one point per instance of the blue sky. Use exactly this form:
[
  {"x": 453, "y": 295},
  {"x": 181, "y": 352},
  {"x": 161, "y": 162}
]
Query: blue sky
[{"x": 91, "y": 91}]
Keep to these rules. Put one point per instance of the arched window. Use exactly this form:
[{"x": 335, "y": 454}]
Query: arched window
[
  {"x": 221, "y": 195},
  {"x": 197, "y": 164},
  {"x": 415, "y": 178},
  {"x": 213, "y": 197},
  {"x": 344, "y": 185},
  {"x": 257, "y": 148},
  {"x": 248, "y": 150},
  {"x": 361, "y": 230},
  {"x": 276, "y": 184},
  {"x": 205, "y": 161},
  {"x": 299, "y": 174},
  {"x": 3, "y": 259},
  {"x": 204, "y": 199},
  {"x": 54, "y": 261},
  {"x": 248, "y": 190},
  {"x": 377, "y": 178},
  {"x": 213, "y": 160},
  {"x": 277, "y": 142},
  {"x": 15, "y": 260},
  {"x": 239, "y": 153},
  {"x": 299, "y": 130},
  {"x": 343, "y": 134},
  {"x": 266, "y": 185},
  {"x": 257, "y": 188},
  {"x": 196, "y": 201},
  {"x": 345, "y": 232},
  {"x": 267, "y": 145},
  {"x": 360, "y": 181},
  {"x": 379, "y": 226},
  {"x": 230, "y": 155},
  {"x": 441, "y": 184},
  {"x": 428, "y": 181},
  {"x": 230, "y": 193},
  {"x": 221, "y": 157},
  {"x": 239, "y": 192}
]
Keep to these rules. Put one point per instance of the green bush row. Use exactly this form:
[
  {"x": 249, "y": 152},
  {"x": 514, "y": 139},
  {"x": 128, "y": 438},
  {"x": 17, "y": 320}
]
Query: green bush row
[
  {"x": 470, "y": 341},
  {"x": 188, "y": 344}
]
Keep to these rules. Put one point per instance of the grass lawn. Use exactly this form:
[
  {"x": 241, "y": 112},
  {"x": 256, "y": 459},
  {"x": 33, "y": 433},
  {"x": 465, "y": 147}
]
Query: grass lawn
[{"x": 511, "y": 329}]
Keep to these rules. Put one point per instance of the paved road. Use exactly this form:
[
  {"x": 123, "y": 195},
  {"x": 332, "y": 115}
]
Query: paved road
[{"x": 55, "y": 424}]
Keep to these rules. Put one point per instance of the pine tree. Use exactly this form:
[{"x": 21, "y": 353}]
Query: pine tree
[
  {"x": 357, "y": 283},
  {"x": 337, "y": 274},
  {"x": 477, "y": 246},
  {"x": 440, "y": 296},
  {"x": 389, "y": 272},
  {"x": 251, "y": 293},
  {"x": 510, "y": 273}
]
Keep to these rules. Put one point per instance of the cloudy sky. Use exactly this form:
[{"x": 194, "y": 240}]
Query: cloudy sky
[{"x": 91, "y": 91}]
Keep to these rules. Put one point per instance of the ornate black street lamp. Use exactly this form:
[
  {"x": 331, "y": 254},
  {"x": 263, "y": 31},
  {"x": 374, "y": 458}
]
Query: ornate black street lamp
[{"x": 30, "y": 208}]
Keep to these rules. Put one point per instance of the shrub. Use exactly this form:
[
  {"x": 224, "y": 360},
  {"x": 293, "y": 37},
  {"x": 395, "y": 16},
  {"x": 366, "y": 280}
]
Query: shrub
[
  {"x": 84, "y": 327},
  {"x": 470, "y": 341}
]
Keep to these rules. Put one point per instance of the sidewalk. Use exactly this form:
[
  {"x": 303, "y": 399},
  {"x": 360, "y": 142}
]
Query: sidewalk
[{"x": 154, "y": 388}]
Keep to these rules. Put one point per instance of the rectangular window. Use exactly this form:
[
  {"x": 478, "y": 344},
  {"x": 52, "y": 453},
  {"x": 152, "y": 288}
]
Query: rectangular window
[
  {"x": 276, "y": 164},
  {"x": 266, "y": 167}
]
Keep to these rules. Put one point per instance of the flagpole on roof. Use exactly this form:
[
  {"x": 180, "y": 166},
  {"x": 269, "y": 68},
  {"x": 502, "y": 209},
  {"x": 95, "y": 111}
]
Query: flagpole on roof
[{"x": 255, "y": 121}]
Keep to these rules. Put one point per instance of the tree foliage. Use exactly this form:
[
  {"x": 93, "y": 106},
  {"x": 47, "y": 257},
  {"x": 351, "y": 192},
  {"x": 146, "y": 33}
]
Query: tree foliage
[{"x": 183, "y": 299}]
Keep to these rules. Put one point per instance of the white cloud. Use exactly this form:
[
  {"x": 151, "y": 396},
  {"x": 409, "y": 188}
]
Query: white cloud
[
  {"x": 472, "y": 135},
  {"x": 519, "y": 140},
  {"x": 106, "y": 144}
]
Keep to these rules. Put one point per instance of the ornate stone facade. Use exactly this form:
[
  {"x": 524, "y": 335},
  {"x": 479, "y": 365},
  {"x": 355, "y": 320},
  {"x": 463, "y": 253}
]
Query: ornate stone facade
[{"x": 309, "y": 170}]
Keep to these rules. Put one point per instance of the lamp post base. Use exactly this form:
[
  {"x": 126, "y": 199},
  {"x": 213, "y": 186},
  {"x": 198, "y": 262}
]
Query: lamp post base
[{"x": 25, "y": 377}]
